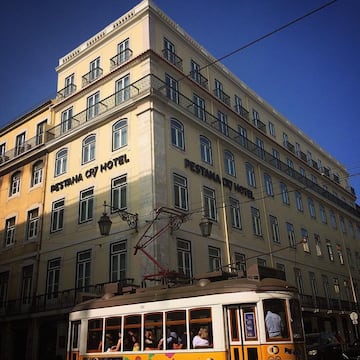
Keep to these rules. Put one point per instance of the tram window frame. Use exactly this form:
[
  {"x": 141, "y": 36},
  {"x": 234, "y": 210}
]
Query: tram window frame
[
  {"x": 279, "y": 307},
  {"x": 176, "y": 321},
  {"x": 203, "y": 320},
  {"x": 156, "y": 326},
  {"x": 75, "y": 332},
  {"x": 233, "y": 316},
  {"x": 113, "y": 326},
  {"x": 94, "y": 344},
  {"x": 133, "y": 325}
]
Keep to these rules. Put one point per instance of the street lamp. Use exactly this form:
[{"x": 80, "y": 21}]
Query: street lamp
[
  {"x": 105, "y": 222},
  {"x": 205, "y": 227}
]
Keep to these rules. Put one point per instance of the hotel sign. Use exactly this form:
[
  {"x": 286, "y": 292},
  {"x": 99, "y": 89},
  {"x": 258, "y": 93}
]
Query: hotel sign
[
  {"x": 90, "y": 173},
  {"x": 202, "y": 171}
]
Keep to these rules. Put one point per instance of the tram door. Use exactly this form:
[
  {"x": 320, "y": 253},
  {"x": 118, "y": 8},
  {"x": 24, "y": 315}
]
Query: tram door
[{"x": 243, "y": 331}]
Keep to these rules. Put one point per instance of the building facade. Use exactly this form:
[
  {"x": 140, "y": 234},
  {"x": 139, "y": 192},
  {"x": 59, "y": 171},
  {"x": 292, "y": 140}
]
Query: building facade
[{"x": 145, "y": 131}]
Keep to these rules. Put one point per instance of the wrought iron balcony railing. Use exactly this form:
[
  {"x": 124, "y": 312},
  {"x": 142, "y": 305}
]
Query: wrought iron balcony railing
[
  {"x": 220, "y": 94},
  {"x": 66, "y": 91},
  {"x": 91, "y": 76},
  {"x": 173, "y": 58},
  {"x": 120, "y": 58},
  {"x": 199, "y": 78}
]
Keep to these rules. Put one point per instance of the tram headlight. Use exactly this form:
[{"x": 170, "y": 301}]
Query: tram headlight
[{"x": 312, "y": 352}]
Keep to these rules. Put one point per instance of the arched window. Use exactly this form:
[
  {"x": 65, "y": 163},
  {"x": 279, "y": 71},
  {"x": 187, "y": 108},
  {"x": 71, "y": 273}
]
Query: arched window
[
  {"x": 61, "y": 162},
  {"x": 37, "y": 173},
  {"x": 229, "y": 163},
  {"x": 88, "y": 149},
  {"x": 119, "y": 134},
  {"x": 177, "y": 134},
  {"x": 205, "y": 149},
  {"x": 15, "y": 183}
]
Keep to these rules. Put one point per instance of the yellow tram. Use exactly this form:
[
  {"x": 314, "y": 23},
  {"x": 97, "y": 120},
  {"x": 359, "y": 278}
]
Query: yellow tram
[{"x": 232, "y": 319}]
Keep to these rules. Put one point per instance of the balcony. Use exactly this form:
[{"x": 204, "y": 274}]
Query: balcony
[
  {"x": 173, "y": 58},
  {"x": 303, "y": 156},
  {"x": 314, "y": 164},
  {"x": 317, "y": 303},
  {"x": 66, "y": 91},
  {"x": 260, "y": 125},
  {"x": 220, "y": 94},
  {"x": 290, "y": 147},
  {"x": 199, "y": 78},
  {"x": 120, "y": 58},
  {"x": 91, "y": 76},
  {"x": 242, "y": 111}
]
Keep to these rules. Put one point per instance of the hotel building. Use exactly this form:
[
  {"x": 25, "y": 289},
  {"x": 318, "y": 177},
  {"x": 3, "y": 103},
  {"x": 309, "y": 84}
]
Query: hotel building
[{"x": 148, "y": 131}]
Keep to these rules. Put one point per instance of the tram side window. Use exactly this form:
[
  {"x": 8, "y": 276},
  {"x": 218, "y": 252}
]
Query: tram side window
[
  {"x": 201, "y": 328},
  {"x": 75, "y": 326},
  {"x": 296, "y": 323},
  {"x": 113, "y": 335},
  {"x": 95, "y": 330},
  {"x": 153, "y": 323},
  {"x": 275, "y": 319},
  {"x": 176, "y": 334},
  {"x": 132, "y": 333}
]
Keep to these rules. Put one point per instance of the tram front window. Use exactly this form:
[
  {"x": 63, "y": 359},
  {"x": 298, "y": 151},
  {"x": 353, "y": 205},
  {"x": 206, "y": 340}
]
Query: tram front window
[{"x": 275, "y": 319}]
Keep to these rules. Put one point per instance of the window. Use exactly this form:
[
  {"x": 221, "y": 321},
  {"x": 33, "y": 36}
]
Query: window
[
  {"x": 291, "y": 235},
  {"x": 169, "y": 51},
  {"x": 4, "y": 284},
  {"x": 235, "y": 213},
  {"x": 336, "y": 286},
  {"x": 276, "y": 158},
  {"x": 195, "y": 71},
  {"x": 323, "y": 214},
  {"x": 219, "y": 90},
  {"x": 69, "y": 85},
  {"x": 260, "y": 148},
  {"x": 180, "y": 192},
  {"x": 10, "y": 231},
  {"x": 272, "y": 129},
  {"x": 305, "y": 240},
  {"x": 2, "y": 152},
  {"x": 285, "y": 139},
  {"x": 274, "y": 229},
  {"x": 326, "y": 286},
  {"x": 243, "y": 140},
  {"x": 53, "y": 278},
  {"x": 199, "y": 107},
  {"x": 256, "y": 117},
  {"x": 299, "y": 280},
  {"x": 209, "y": 203},
  {"x": 88, "y": 149},
  {"x": 238, "y": 105},
  {"x": 119, "y": 192},
  {"x": 26, "y": 284},
  {"x": 40, "y": 130},
  {"x": 61, "y": 162},
  {"x": 256, "y": 221},
  {"x": 15, "y": 183},
  {"x": 184, "y": 258},
  {"x": 342, "y": 225},
  {"x": 299, "y": 203},
  {"x": 290, "y": 168},
  {"x": 340, "y": 254},
  {"x": 86, "y": 205},
  {"x": 214, "y": 258},
  {"x": 333, "y": 219},
  {"x": 284, "y": 194},
  {"x": 314, "y": 287},
  {"x": 93, "y": 106},
  {"x": 223, "y": 123},
  {"x": 66, "y": 120},
  {"x": 229, "y": 163},
  {"x": 351, "y": 229},
  {"x": 349, "y": 257},
  {"x": 311, "y": 208},
  {"x": 318, "y": 245},
  {"x": 33, "y": 224},
  {"x": 37, "y": 173},
  {"x": 205, "y": 150},
  {"x": 250, "y": 174},
  {"x": 118, "y": 255},
  {"x": 95, "y": 70},
  {"x": 177, "y": 134},
  {"x": 57, "y": 215},
  {"x": 240, "y": 262},
  {"x": 119, "y": 134},
  {"x": 123, "y": 53},
  {"x": 330, "y": 250},
  {"x": 122, "y": 89},
  {"x": 302, "y": 172},
  {"x": 268, "y": 185},
  {"x": 83, "y": 268},
  {"x": 20, "y": 144},
  {"x": 172, "y": 88}
]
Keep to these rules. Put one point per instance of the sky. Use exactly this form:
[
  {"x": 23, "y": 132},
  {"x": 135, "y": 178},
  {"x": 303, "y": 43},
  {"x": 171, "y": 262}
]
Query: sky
[{"x": 309, "y": 72}]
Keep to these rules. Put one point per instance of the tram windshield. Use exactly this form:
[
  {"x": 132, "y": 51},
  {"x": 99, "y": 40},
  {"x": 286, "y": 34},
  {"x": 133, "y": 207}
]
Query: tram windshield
[{"x": 276, "y": 322}]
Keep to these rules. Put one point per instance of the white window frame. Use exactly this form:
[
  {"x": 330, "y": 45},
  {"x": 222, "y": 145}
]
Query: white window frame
[
  {"x": 209, "y": 199},
  {"x": 86, "y": 205},
  {"x": 229, "y": 160},
  {"x": 180, "y": 192},
  {"x": 119, "y": 193},
  {"x": 177, "y": 134},
  {"x": 61, "y": 162},
  {"x": 205, "y": 150}
]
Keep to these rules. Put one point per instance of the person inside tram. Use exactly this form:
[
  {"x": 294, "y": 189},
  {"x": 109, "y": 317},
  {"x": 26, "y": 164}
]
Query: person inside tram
[
  {"x": 149, "y": 341},
  {"x": 108, "y": 342},
  {"x": 118, "y": 344},
  {"x": 201, "y": 340},
  {"x": 274, "y": 325}
]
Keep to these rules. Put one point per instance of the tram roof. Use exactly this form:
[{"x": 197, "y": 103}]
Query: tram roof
[{"x": 202, "y": 287}]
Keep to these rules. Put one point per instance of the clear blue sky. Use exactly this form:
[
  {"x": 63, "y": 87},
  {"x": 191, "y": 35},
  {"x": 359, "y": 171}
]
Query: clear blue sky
[{"x": 309, "y": 72}]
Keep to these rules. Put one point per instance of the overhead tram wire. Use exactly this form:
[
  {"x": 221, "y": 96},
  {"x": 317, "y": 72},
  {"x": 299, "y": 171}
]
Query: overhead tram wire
[{"x": 251, "y": 43}]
